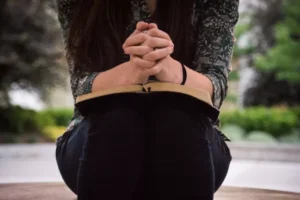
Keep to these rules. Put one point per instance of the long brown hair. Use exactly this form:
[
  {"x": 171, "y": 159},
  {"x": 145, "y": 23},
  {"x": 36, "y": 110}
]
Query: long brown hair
[{"x": 98, "y": 30}]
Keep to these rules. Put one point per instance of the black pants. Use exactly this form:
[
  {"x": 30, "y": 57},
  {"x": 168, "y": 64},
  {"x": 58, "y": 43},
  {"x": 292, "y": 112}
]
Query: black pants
[{"x": 144, "y": 148}]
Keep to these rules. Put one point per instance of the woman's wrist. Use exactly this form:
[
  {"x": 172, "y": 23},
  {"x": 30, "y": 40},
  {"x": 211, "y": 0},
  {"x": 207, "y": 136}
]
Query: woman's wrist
[
  {"x": 176, "y": 72},
  {"x": 171, "y": 72},
  {"x": 130, "y": 75},
  {"x": 184, "y": 74},
  {"x": 111, "y": 78}
]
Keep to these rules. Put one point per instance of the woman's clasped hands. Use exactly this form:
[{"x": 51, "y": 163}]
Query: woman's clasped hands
[{"x": 150, "y": 49}]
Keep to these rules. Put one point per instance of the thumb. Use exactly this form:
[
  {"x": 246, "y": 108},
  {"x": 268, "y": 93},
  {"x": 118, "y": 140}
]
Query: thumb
[
  {"x": 142, "y": 26},
  {"x": 152, "y": 25}
]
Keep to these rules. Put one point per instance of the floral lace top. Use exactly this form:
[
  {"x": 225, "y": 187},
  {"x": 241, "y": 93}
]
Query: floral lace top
[{"x": 214, "y": 44}]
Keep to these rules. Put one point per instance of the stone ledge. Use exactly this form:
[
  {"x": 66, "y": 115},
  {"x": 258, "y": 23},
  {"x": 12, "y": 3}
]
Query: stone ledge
[
  {"x": 55, "y": 191},
  {"x": 240, "y": 151},
  {"x": 265, "y": 152}
]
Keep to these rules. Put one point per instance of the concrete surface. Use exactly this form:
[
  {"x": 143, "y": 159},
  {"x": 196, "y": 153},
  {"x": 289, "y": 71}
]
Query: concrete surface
[
  {"x": 265, "y": 152},
  {"x": 56, "y": 191},
  {"x": 36, "y": 163}
]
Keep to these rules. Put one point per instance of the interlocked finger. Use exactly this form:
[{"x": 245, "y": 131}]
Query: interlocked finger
[
  {"x": 155, "y": 42},
  {"x": 135, "y": 40},
  {"x": 155, "y": 32},
  {"x": 153, "y": 70},
  {"x": 138, "y": 50},
  {"x": 158, "y": 54},
  {"x": 144, "y": 64}
]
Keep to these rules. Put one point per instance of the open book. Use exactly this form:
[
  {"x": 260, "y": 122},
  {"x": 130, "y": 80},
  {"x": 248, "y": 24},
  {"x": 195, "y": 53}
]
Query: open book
[{"x": 154, "y": 87}]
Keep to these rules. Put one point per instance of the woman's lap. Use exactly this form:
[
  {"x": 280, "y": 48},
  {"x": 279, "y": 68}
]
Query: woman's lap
[
  {"x": 68, "y": 151},
  {"x": 187, "y": 140},
  {"x": 112, "y": 156},
  {"x": 169, "y": 136}
]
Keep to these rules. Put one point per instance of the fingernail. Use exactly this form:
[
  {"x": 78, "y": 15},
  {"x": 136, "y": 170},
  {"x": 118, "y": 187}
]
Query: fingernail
[{"x": 171, "y": 44}]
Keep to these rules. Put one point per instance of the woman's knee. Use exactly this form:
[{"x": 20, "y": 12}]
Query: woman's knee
[
  {"x": 177, "y": 120},
  {"x": 221, "y": 157},
  {"x": 68, "y": 152},
  {"x": 119, "y": 120}
]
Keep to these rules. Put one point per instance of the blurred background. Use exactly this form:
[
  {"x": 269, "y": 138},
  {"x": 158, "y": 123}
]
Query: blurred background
[{"x": 261, "y": 114}]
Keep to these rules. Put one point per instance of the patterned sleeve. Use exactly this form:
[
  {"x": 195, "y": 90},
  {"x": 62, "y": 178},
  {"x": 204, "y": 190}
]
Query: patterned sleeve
[
  {"x": 216, "y": 22},
  {"x": 81, "y": 83}
]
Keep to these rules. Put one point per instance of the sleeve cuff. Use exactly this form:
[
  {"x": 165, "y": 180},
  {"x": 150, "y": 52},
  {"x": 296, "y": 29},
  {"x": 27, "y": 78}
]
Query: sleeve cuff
[
  {"x": 217, "y": 90},
  {"x": 85, "y": 84}
]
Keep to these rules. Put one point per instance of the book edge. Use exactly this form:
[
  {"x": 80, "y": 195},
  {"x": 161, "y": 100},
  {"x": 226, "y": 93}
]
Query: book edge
[
  {"x": 200, "y": 94},
  {"x": 124, "y": 89}
]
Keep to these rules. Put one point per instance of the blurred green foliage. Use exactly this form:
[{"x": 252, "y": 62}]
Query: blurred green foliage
[
  {"x": 233, "y": 76},
  {"x": 293, "y": 137},
  {"x": 283, "y": 58},
  {"x": 31, "y": 48},
  {"x": 268, "y": 41},
  {"x": 276, "y": 121},
  {"x": 296, "y": 111},
  {"x": 261, "y": 136},
  {"x": 53, "y": 132},
  {"x": 240, "y": 30},
  {"x": 234, "y": 132},
  {"x": 15, "y": 119},
  {"x": 60, "y": 116},
  {"x": 267, "y": 123},
  {"x": 18, "y": 120}
]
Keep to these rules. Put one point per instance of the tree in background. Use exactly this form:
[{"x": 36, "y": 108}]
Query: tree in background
[
  {"x": 272, "y": 51},
  {"x": 31, "y": 55},
  {"x": 283, "y": 58}
]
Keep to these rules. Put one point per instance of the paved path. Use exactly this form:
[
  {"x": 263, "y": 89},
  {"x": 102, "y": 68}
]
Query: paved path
[
  {"x": 54, "y": 191},
  {"x": 37, "y": 164}
]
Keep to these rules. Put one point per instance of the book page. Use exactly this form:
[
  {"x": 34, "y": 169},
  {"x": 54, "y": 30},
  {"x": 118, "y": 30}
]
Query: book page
[
  {"x": 124, "y": 89},
  {"x": 156, "y": 86}
]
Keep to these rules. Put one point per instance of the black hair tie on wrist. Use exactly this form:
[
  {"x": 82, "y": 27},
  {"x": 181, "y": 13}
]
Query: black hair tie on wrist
[{"x": 183, "y": 74}]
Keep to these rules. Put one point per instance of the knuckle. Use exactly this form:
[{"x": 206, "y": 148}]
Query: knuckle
[
  {"x": 143, "y": 36},
  {"x": 156, "y": 55},
  {"x": 127, "y": 49},
  {"x": 170, "y": 50},
  {"x": 146, "y": 58},
  {"x": 166, "y": 42},
  {"x": 155, "y": 70},
  {"x": 124, "y": 45},
  {"x": 146, "y": 64},
  {"x": 167, "y": 36},
  {"x": 139, "y": 37},
  {"x": 146, "y": 50},
  {"x": 150, "y": 64},
  {"x": 143, "y": 73},
  {"x": 166, "y": 50},
  {"x": 142, "y": 50},
  {"x": 155, "y": 31},
  {"x": 151, "y": 56},
  {"x": 151, "y": 41},
  {"x": 150, "y": 32},
  {"x": 149, "y": 49},
  {"x": 135, "y": 60}
]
